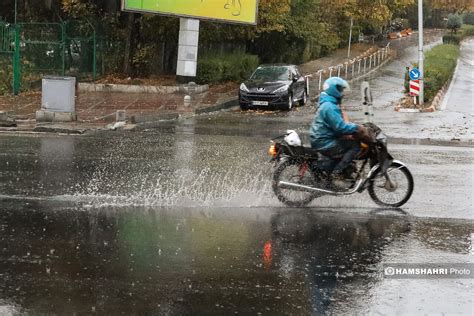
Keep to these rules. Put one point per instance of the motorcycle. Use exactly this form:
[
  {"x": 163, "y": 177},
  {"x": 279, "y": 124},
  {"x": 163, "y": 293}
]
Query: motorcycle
[{"x": 303, "y": 174}]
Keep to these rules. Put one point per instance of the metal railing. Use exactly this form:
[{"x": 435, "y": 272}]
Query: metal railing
[{"x": 353, "y": 68}]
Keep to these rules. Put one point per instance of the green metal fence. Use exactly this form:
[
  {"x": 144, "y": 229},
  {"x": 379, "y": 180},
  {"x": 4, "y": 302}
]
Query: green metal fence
[
  {"x": 39, "y": 49},
  {"x": 7, "y": 45}
]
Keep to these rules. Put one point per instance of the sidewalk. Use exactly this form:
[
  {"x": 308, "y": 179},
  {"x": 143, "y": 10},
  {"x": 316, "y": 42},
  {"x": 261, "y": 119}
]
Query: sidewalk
[{"x": 97, "y": 109}]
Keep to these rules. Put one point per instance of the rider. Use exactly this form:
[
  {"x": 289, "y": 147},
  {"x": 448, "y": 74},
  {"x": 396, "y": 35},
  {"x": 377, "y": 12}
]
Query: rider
[{"x": 329, "y": 133}]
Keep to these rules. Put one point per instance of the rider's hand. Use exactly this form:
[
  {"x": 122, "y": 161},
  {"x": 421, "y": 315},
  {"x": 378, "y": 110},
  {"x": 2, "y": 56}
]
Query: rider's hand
[
  {"x": 365, "y": 134},
  {"x": 348, "y": 137}
]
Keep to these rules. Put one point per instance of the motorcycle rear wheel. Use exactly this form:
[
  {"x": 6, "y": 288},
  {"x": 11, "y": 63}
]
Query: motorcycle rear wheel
[
  {"x": 383, "y": 194},
  {"x": 291, "y": 171}
]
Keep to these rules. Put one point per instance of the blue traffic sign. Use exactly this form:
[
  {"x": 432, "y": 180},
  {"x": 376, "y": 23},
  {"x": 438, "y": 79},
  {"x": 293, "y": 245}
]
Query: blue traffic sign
[{"x": 415, "y": 74}]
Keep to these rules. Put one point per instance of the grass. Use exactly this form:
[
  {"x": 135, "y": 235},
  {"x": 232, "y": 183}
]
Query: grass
[{"x": 440, "y": 63}]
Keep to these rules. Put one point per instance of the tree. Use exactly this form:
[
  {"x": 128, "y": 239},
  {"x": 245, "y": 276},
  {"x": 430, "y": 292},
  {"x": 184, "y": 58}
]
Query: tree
[
  {"x": 454, "y": 22},
  {"x": 453, "y": 5}
]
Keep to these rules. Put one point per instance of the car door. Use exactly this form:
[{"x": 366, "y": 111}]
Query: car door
[{"x": 299, "y": 84}]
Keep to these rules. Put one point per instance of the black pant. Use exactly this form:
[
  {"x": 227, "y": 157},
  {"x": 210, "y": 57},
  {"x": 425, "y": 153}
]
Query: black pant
[{"x": 345, "y": 151}]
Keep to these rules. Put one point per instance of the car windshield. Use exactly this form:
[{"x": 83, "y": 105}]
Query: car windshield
[{"x": 271, "y": 73}]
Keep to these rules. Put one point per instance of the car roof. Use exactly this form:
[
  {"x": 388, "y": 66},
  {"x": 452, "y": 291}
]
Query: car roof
[{"x": 278, "y": 65}]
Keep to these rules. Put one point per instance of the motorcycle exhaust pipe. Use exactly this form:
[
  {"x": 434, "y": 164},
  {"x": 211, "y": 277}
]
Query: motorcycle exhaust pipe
[{"x": 301, "y": 187}]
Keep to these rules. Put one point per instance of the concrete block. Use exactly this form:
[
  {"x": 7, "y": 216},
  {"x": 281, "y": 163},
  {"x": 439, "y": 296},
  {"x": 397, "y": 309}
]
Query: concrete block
[
  {"x": 65, "y": 116},
  {"x": 188, "y": 38},
  {"x": 188, "y": 53},
  {"x": 49, "y": 116},
  {"x": 189, "y": 24},
  {"x": 409, "y": 111},
  {"x": 3, "y": 116},
  {"x": 186, "y": 68}
]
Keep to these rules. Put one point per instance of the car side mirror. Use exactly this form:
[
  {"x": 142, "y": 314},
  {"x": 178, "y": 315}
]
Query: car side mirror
[{"x": 294, "y": 78}]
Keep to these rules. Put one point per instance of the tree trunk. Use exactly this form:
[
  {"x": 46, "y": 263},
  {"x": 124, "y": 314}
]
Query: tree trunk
[{"x": 127, "y": 62}]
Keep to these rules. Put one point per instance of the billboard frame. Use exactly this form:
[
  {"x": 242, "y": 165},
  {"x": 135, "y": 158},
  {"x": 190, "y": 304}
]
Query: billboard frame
[{"x": 186, "y": 16}]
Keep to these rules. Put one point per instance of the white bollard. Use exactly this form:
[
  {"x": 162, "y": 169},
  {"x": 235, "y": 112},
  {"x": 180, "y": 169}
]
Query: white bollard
[{"x": 320, "y": 79}]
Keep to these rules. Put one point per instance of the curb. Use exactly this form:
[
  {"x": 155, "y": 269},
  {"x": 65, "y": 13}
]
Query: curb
[
  {"x": 217, "y": 107},
  {"x": 435, "y": 104},
  {"x": 432, "y": 142},
  {"x": 143, "y": 122},
  {"x": 125, "y": 88},
  {"x": 59, "y": 130}
]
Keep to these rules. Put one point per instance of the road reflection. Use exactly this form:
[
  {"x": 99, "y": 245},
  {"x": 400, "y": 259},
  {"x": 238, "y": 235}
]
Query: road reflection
[
  {"x": 335, "y": 257},
  {"x": 59, "y": 259}
]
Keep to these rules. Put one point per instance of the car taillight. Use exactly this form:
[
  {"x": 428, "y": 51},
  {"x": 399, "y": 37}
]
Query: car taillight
[{"x": 272, "y": 151}]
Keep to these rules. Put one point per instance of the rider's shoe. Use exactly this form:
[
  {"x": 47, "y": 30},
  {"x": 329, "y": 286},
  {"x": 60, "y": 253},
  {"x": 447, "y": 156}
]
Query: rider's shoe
[{"x": 341, "y": 181}]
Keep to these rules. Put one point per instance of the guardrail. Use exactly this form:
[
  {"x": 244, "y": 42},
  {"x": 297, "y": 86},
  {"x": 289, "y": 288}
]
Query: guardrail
[{"x": 354, "y": 68}]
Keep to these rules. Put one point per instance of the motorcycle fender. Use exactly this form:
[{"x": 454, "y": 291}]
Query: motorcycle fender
[{"x": 377, "y": 166}]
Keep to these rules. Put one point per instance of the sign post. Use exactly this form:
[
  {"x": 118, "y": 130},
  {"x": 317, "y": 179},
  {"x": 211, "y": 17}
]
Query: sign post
[
  {"x": 420, "y": 50},
  {"x": 367, "y": 105},
  {"x": 414, "y": 89},
  {"x": 415, "y": 84}
]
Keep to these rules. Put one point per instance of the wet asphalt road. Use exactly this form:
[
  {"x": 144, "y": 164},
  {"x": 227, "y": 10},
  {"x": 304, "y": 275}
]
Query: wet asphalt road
[{"x": 181, "y": 220}]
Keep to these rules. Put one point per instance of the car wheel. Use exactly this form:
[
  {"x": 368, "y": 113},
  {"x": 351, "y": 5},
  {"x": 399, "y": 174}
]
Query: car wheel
[
  {"x": 304, "y": 99},
  {"x": 289, "y": 104}
]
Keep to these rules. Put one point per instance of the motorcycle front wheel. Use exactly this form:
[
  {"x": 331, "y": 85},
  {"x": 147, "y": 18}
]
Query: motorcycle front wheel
[
  {"x": 392, "y": 190},
  {"x": 294, "y": 172}
]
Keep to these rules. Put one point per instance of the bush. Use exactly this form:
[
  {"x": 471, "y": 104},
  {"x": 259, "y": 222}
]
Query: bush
[
  {"x": 466, "y": 30},
  {"x": 6, "y": 74},
  {"x": 454, "y": 22},
  {"x": 468, "y": 18},
  {"x": 440, "y": 63},
  {"x": 209, "y": 70},
  {"x": 228, "y": 67},
  {"x": 451, "y": 39}
]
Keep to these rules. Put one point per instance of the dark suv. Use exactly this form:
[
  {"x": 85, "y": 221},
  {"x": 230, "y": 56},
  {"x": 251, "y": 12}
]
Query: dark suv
[{"x": 273, "y": 86}]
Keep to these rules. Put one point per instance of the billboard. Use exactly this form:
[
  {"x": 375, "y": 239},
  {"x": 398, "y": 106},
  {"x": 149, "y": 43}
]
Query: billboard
[{"x": 233, "y": 11}]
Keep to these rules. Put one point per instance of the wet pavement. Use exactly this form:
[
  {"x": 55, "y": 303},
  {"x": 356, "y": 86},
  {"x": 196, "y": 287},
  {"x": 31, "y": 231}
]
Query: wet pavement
[
  {"x": 460, "y": 96},
  {"x": 181, "y": 220},
  {"x": 387, "y": 88}
]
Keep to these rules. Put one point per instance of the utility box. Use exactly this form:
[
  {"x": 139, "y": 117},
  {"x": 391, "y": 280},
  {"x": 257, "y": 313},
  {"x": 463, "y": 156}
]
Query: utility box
[
  {"x": 57, "y": 99},
  {"x": 58, "y": 94}
]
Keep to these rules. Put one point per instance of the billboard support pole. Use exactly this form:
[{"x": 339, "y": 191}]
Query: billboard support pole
[{"x": 187, "y": 50}]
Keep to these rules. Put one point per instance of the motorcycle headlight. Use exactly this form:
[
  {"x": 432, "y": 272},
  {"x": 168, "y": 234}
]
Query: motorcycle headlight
[
  {"x": 273, "y": 150},
  {"x": 282, "y": 89},
  {"x": 244, "y": 88}
]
